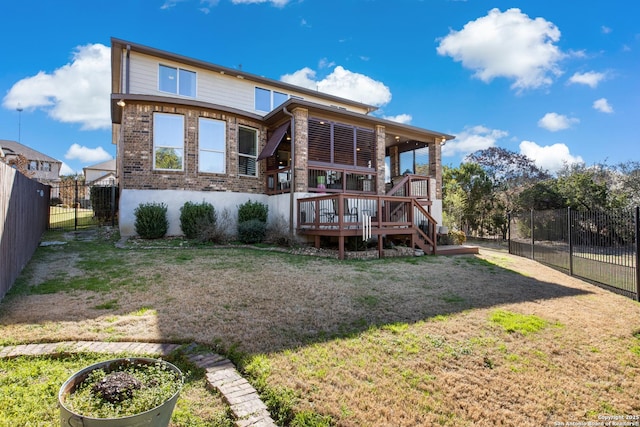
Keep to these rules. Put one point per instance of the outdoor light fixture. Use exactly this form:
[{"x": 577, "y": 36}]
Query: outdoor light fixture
[{"x": 121, "y": 103}]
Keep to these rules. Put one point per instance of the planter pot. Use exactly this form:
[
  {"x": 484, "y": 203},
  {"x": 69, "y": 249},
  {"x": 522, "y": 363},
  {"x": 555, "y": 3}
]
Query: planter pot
[{"x": 155, "y": 417}]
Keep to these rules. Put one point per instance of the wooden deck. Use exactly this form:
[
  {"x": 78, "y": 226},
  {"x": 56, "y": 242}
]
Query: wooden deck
[
  {"x": 343, "y": 216},
  {"x": 458, "y": 250}
]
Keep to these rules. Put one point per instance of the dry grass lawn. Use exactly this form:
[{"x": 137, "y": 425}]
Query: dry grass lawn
[{"x": 394, "y": 342}]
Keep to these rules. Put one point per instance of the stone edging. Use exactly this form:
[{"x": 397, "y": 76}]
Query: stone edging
[{"x": 221, "y": 374}]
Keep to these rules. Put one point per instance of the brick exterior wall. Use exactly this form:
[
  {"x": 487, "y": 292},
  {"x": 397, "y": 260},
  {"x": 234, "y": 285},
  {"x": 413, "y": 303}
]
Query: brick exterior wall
[
  {"x": 136, "y": 152},
  {"x": 301, "y": 152},
  {"x": 435, "y": 166}
]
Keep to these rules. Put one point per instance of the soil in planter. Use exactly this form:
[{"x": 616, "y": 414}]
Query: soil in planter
[{"x": 126, "y": 391}]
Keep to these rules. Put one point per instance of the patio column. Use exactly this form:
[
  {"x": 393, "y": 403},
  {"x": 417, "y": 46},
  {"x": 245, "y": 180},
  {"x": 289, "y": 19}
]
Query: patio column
[
  {"x": 301, "y": 134},
  {"x": 380, "y": 139}
]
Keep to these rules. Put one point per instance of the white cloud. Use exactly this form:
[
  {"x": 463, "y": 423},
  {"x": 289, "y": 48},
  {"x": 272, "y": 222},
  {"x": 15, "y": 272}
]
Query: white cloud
[
  {"x": 342, "y": 83},
  {"x": 605, "y": 29},
  {"x": 325, "y": 63},
  {"x": 278, "y": 3},
  {"x": 400, "y": 118},
  {"x": 549, "y": 157},
  {"x": 507, "y": 44},
  {"x": 590, "y": 78},
  {"x": 603, "y": 105},
  {"x": 554, "y": 122},
  {"x": 473, "y": 139},
  {"x": 78, "y": 92},
  {"x": 86, "y": 154},
  {"x": 66, "y": 170}
]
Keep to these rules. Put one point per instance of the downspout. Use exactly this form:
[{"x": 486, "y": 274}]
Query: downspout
[{"x": 293, "y": 174}]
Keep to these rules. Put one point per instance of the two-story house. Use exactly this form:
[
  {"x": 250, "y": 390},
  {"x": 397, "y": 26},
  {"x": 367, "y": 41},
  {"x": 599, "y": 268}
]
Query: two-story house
[
  {"x": 39, "y": 166},
  {"x": 189, "y": 130}
]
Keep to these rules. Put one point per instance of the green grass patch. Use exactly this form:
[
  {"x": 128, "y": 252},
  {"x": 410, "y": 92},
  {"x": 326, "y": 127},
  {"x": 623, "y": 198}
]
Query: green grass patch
[
  {"x": 452, "y": 299},
  {"x": 516, "y": 322},
  {"x": 108, "y": 305},
  {"x": 29, "y": 388}
]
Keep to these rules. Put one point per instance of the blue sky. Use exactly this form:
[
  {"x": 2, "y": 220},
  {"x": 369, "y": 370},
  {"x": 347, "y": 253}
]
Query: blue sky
[{"x": 555, "y": 80}]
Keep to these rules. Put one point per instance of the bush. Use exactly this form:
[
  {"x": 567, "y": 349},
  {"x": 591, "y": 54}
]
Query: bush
[
  {"x": 457, "y": 237},
  {"x": 252, "y": 210},
  {"x": 194, "y": 217},
  {"x": 151, "y": 220},
  {"x": 218, "y": 231},
  {"x": 252, "y": 231},
  {"x": 278, "y": 232}
]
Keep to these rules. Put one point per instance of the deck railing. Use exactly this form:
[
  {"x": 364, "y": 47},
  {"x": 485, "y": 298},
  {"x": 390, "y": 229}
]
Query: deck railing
[
  {"x": 412, "y": 186},
  {"x": 279, "y": 181},
  {"x": 330, "y": 179},
  {"x": 341, "y": 214}
]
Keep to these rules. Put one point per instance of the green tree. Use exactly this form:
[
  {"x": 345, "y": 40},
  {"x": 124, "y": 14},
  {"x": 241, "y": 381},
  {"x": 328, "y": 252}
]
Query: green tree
[
  {"x": 168, "y": 158},
  {"x": 467, "y": 195}
]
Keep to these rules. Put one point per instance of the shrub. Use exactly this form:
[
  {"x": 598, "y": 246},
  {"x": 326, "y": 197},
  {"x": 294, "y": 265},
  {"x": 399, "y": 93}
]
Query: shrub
[
  {"x": 278, "y": 232},
  {"x": 252, "y": 231},
  {"x": 218, "y": 231},
  {"x": 196, "y": 216},
  {"x": 252, "y": 210},
  {"x": 457, "y": 237},
  {"x": 151, "y": 220}
]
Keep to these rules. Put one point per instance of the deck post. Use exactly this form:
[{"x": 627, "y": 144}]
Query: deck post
[{"x": 341, "y": 246}]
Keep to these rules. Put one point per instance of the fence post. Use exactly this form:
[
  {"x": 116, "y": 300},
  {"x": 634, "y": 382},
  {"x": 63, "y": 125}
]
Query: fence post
[
  {"x": 570, "y": 237},
  {"x": 637, "y": 221},
  {"x": 533, "y": 240},
  {"x": 509, "y": 231}
]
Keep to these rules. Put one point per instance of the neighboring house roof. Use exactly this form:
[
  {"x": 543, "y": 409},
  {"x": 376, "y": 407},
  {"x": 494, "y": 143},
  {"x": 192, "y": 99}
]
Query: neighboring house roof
[
  {"x": 15, "y": 148},
  {"x": 100, "y": 171},
  {"x": 109, "y": 165}
]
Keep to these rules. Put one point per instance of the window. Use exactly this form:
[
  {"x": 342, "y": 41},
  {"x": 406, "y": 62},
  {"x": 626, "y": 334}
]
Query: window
[
  {"x": 267, "y": 100},
  {"x": 46, "y": 166},
  {"x": 212, "y": 142},
  {"x": 247, "y": 151},
  {"x": 263, "y": 99},
  {"x": 168, "y": 141},
  {"x": 33, "y": 165},
  {"x": 177, "y": 81}
]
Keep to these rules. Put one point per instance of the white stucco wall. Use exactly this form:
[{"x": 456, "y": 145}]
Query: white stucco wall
[{"x": 174, "y": 199}]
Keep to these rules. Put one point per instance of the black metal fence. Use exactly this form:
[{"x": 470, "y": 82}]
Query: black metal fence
[
  {"x": 76, "y": 205},
  {"x": 602, "y": 247}
]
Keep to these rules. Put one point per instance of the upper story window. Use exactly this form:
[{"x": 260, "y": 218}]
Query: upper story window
[
  {"x": 168, "y": 141},
  {"x": 33, "y": 165},
  {"x": 267, "y": 100},
  {"x": 46, "y": 166},
  {"x": 247, "y": 151},
  {"x": 177, "y": 81},
  {"x": 212, "y": 145}
]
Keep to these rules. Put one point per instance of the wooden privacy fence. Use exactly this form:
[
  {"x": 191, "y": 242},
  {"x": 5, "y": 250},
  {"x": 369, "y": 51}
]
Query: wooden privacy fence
[
  {"x": 24, "y": 215},
  {"x": 602, "y": 247}
]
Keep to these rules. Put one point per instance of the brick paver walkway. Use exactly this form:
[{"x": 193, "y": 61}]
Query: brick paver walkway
[{"x": 221, "y": 374}]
